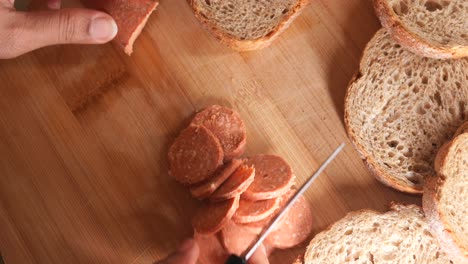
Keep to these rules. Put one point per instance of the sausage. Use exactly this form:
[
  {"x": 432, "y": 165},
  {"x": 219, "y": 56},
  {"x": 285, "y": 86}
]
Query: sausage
[
  {"x": 130, "y": 16},
  {"x": 237, "y": 183},
  {"x": 195, "y": 155},
  {"x": 236, "y": 239},
  {"x": 227, "y": 125},
  {"x": 294, "y": 227},
  {"x": 274, "y": 177},
  {"x": 211, "y": 250},
  {"x": 212, "y": 217},
  {"x": 257, "y": 227},
  {"x": 253, "y": 211},
  {"x": 260, "y": 256},
  {"x": 208, "y": 187}
]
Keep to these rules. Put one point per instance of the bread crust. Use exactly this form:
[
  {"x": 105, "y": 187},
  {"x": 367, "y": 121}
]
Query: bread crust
[
  {"x": 372, "y": 166},
  {"x": 462, "y": 129},
  {"x": 411, "y": 41},
  {"x": 248, "y": 45},
  {"x": 449, "y": 242},
  {"x": 393, "y": 206}
]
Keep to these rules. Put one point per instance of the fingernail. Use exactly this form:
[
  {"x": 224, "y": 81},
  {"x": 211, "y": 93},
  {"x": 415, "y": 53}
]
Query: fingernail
[
  {"x": 103, "y": 28},
  {"x": 186, "y": 245}
]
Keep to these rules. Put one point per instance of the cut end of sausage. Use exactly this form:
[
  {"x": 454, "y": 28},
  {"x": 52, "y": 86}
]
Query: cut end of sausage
[
  {"x": 208, "y": 187},
  {"x": 274, "y": 177},
  {"x": 227, "y": 125},
  {"x": 254, "y": 211},
  {"x": 212, "y": 217},
  {"x": 236, "y": 184},
  {"x": 294, "y": 227},
  {"x": 195, "y": 155}
]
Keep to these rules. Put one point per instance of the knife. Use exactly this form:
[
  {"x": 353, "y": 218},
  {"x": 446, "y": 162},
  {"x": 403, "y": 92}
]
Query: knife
[{"x": 234, "y": 259}]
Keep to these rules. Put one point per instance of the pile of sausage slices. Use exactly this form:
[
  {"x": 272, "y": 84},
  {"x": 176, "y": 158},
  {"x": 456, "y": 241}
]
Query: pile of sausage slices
[{"x": 240, "y": 195}]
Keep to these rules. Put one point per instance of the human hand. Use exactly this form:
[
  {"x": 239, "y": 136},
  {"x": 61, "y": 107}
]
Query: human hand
[
  {"x": 187, "y": 253},
  {"x": 21, "y": 32}
]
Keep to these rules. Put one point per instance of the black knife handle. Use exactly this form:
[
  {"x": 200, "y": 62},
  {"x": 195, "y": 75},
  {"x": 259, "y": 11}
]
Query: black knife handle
[{"x": 233, "y": 259}]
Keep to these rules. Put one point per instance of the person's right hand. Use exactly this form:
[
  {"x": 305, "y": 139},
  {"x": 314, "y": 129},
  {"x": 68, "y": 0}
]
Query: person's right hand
[
  {"x": 21, "y": 32},
  {"x": 187, "y": 253}
]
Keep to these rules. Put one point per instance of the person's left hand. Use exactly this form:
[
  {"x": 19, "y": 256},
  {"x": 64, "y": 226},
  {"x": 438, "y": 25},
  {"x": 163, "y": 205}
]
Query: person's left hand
[
  {"x": 187, "y": 253},
  {"x": 21, "y": 32}
]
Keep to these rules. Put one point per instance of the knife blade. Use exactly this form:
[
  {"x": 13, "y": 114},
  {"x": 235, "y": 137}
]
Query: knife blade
[{"x": 234, "y": 259}]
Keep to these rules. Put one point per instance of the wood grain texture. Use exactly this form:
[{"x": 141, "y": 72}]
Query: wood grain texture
[{"x": 84, "y": 132}]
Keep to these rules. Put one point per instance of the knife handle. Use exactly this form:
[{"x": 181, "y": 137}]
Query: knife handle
[{"x": 233, "y": 259}]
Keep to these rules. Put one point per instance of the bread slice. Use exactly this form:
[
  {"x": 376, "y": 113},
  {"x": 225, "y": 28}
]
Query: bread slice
[
  {"x": 445, "y": 199},
  {"x": 247, "y": 24},
  {"x": 398, "y": 236},
  {"x": 400, "y": 108},
  {"x": 431, "y": 28},
  {"x": 462, "y": 129}
]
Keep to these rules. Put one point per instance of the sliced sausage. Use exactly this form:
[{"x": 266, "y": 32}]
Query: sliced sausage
[
  {"x": 130, "y": 16},
  {"x": 257, "y": 227},
  {"x": 236, "y": 184},
  {"x": 253, "y": 211},
  {"x": 260, "y": 256},
  {"x": 274, "y": 177},
  {"x": 227, "y": 125},
  {"x": 236, "y": 238},
  {"x": 294, "y": 227},
  {"x": 211, "y": 217},
  {"x": 195, "y": 155},
  {"x": 208, "y": 187},
  {"x": 211, "y": 250}
]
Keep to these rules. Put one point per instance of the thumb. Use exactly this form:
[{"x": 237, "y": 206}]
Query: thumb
[
  {"x": 79, "y": 26},
  {"x": 186, "y": 254}
]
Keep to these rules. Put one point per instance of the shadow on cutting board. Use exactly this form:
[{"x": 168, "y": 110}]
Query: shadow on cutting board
[{"x": 360, "y": 26}]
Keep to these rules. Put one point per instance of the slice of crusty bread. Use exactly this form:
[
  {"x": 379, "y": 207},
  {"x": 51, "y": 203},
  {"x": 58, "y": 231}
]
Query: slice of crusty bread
[
  {"x": 401, "y": 108},
  {"x": 431, "y": 28},
  {"x": 398, "y": 236},
  {"x": 445, "y": 199},
  {"x": 247, "y": 24},
  {"x": 462, "y": 129}
]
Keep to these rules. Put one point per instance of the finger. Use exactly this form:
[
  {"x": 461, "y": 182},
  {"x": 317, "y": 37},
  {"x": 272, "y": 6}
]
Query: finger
[
  {"x": 7, "y": 3},
  {"x": 34, "y": 30},
  {"x": 186, "y": 254},
  {"x": 54, "y": 4}
]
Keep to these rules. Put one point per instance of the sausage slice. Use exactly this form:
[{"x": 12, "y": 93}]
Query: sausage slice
[
  {"x": 211, "y": 217},
  {"x": 195, "y": 155},
  {"x": 237, "y": 183},
  {"x": 227, "y": 125}
]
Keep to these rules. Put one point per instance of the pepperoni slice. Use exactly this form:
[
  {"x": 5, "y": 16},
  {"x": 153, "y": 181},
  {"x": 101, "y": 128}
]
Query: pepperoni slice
[
  {"x": 227, "y": 125},
  {"x": 208, "y": 187},
  {"x": 260, "y": 256},
  {"x": 211, "y": 250},
  {"x": 237, "y": 183},
  {"x": 294, "y": 227},
  {"x": 274, "y": 177},
  {"x": 195, "y": 155},
  {"x": 258, "y": 226},
  {"x": 236, "y": 238},
  {"x": 130, "y": 16},
  {"x": 254, "y": 211},
  {"x": 211, "y": 217}
]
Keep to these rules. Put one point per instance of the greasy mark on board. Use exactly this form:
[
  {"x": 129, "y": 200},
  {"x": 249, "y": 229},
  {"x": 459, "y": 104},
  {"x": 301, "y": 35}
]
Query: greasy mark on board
[{"x": 84, "y": 100}]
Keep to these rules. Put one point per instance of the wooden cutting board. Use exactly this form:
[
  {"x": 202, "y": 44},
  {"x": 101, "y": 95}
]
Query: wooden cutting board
[{"x": 84, "y": 132}]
